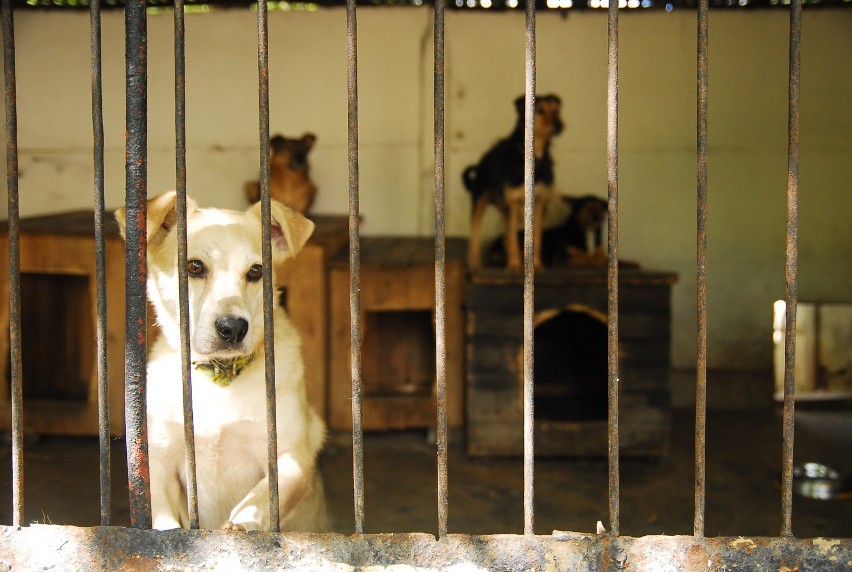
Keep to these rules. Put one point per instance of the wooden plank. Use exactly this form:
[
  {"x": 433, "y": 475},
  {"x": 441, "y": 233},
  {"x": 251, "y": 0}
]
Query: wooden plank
[
  {"x": 306, "y": 281},
  {"x": 340, "y": 372},
  {"x": 398, "y": 289},
  {"x": 485, "y": 327},
  {"x": 393, "y": 412},
  {"x": 401, "y": 252},
  {"x": 498, "y": 402},
  {"x": 5, "y": 382},
  {"x": 74, "y": 223},
  {"x": 496, "y": 357},
  {"x": 454, "y": 343},
  {"x": 641, "y": 326},
  {"x": 629, "y": 275}
]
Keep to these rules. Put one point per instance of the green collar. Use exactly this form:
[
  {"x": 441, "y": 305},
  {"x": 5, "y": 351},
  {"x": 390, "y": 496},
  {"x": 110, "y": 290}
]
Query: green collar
[{"x": 223, "y": 372}]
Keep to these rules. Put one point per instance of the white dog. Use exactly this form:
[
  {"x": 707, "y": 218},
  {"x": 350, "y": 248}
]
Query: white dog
[{"x": 228, "y": 387}]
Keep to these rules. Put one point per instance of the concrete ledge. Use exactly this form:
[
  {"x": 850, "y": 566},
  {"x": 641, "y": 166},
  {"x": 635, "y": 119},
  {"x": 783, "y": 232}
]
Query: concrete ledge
[{"x": 47, "y": 547}]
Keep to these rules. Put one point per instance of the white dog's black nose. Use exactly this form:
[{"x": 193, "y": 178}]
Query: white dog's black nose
[{"x": 231, "y": 328}]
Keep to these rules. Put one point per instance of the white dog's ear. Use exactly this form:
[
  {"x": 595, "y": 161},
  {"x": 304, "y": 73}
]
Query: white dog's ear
[
  {"x": 290, "y": 230},
  {"x": 162, "y": 216}
]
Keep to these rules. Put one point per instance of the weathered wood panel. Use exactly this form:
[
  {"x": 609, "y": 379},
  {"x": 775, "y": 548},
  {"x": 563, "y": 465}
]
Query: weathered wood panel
[{"x": 570, "y": 376}]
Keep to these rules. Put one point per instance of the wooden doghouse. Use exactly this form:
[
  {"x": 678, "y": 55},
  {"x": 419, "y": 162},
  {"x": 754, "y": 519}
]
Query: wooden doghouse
[
  {"x": 59, "y": 321},
  {"x": 398, "y": 334},
  {"x": 570, "y": 358}
]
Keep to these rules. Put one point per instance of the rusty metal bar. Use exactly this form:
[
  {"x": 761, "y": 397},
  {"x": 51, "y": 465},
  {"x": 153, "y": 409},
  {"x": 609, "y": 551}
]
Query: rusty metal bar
[
  {"x": 136, "y": 264},
  {"x": 14, "y": 266},
  {"x": 792, "y": 262},
  {"x": 37, "y": 547},
  {"x": 529, "y": 279},
  {"x": 701, "y": 277},
  {"x": 266, "y": 219},
  {"x": 183, "y": 295},
  {"x": 100, "y": 263},
  {"x": 355, "y": 266},
  {"x": 440, "y": 274},
  {"x": 612, "y": 270}
]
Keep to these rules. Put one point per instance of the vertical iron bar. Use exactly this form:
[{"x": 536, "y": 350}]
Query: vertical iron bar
[
  {"x": 529, "y": 283},
  {"x": 136, "y": 265},
  {"x": 792, "y": 295},
  {"x": 266, "y": 218},
  {"x": 14, "y": 266},
  {"x": 440, "y": 273},
  {"x": 355, "y": 266},
  {"x": 612, "y": 272},
  {"x": 701, "y": 276},
  {"x": 100, "y": 262},
  {"x": 183, "y": 295}
]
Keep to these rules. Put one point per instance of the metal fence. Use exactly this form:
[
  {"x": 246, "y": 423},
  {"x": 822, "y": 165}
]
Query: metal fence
[{"x": 138, "y": 547}]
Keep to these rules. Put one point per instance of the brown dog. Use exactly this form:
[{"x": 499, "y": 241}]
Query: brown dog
[
  {"x": 289, "y": 180},
  {"x": 498, "y": 179}
]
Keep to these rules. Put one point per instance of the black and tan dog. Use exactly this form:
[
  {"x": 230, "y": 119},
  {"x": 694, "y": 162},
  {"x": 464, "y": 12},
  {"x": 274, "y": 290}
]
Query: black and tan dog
[
  {"x": 576, "y": 241},
  {"x": 579, "y": 240},
  {"x": 582, "y": 233},
  {"x": 498, "y": 179},
  {"x": 289, "y": 173}
]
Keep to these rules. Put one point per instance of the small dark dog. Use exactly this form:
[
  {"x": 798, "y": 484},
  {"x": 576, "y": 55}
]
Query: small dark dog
[
  {"x": 289, "y": 180},
  {"x": 498, "y": 179},
  {"x": 571, "y": 242},
  {"x": 577, "y": 241}
]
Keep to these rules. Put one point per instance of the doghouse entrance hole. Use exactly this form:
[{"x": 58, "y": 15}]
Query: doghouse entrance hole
[
  {"x": 398, "y": 352},
  {"x": 56, "y": 335},
  {"x": 571, "y": 367}
]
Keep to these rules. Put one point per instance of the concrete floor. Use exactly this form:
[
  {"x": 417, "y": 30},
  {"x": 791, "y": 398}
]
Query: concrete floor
[{"x": 743, "y": 497}]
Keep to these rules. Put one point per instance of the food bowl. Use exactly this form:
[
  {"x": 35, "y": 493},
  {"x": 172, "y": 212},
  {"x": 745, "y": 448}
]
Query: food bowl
[{"x": 821, "y": 482}]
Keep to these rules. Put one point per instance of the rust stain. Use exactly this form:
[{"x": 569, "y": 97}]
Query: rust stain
[{"x": 698, "y": 559}]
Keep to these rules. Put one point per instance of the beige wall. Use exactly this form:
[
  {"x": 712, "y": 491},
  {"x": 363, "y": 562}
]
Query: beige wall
[{"x": 748, "y": 142}]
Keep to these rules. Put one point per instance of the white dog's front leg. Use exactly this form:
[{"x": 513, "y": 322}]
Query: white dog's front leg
[
  {"x": 252, "y": 513},
  {"x": 168, "y": 499}
]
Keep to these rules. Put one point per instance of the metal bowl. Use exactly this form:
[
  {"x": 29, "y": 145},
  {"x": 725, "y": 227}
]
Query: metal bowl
[{"x": 821, "y": 482}]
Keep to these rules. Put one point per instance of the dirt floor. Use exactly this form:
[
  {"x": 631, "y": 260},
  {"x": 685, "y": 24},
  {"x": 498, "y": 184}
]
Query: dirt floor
[{"x": 743, "y": 495}]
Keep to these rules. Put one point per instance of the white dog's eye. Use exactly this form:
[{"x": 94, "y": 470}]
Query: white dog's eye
[
  {"x": 195, "y": 268},
  {"x": 255, "y": 273}
]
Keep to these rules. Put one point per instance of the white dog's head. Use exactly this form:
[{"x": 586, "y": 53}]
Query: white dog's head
[{"x": 224, "y": 267}]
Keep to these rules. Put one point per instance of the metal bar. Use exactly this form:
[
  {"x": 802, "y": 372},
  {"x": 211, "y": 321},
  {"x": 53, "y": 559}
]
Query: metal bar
[
  {"x": 612, "y": 271},
  {"x": 792, "y": 262},
  {"x": 266, "y": 218},
  {"x": 136, "y": 265},
  {"x": 183, "y": 294},
  {"x": 355, "y": 266},
  {"x": 100, "y": 263},
  {"x": 701, "y": 277},
  {"x": 106, "y": 548},
  {"x": 14, "y": 266},
  {"x": 440, "y": 274},
  {"x": 529, "y": 282}
]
